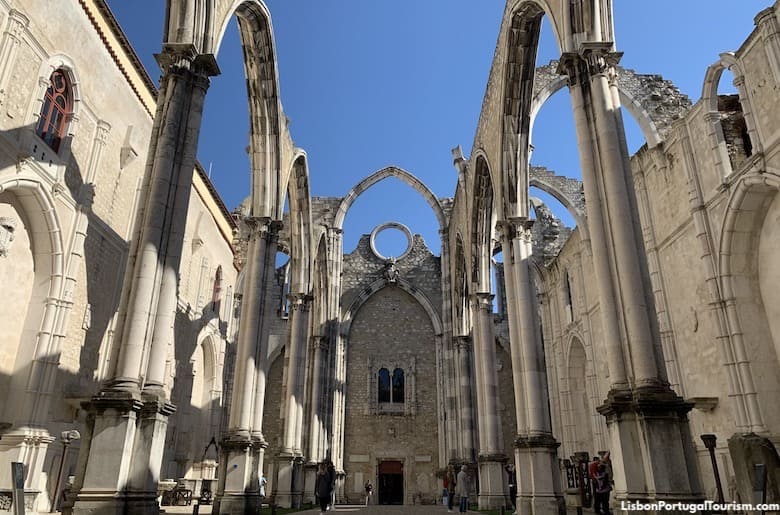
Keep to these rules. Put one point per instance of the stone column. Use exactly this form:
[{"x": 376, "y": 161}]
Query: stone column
[
  {"x": 491, "y": 450},
  {"x": 242, "y": 449},
  {"x": 539, "y": 485},
  {"x": 290, "y": 455},
  {"x": 466, "y": 407},
  {"x": 122, "y": 452},
  {"x": 316, "y": 427},
  {"x": 652, "y": 451}
]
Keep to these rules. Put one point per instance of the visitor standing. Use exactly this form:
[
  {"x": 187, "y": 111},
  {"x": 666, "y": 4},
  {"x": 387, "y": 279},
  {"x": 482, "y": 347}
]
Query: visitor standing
[
  {"x": 603, "y": 487},
  {"x": 462, "y": 488},
  {"x": 331, "y": 469},
  {"x": 369, "y": 491},
  {"x": 323, "y": 488},
  {"x": 449, "y": 484},
  {"x": 512, "y": 478},
  {"x": 263, "y": 482},
  {"x": 593, "y": 468}
]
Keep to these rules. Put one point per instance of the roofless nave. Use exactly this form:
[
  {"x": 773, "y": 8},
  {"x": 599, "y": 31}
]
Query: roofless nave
[{"x": 655, "y": 321}]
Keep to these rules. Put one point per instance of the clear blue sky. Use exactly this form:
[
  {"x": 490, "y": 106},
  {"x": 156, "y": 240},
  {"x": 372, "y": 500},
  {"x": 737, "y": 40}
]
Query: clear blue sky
[{"x": 372, "y": 83}]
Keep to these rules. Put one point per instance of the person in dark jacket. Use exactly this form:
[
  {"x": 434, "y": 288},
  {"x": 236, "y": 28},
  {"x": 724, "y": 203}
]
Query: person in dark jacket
[
  {"x": 512, "y": 478},
  {"x": 323, "y": 488},
  {"x": 603, "y": 485}
]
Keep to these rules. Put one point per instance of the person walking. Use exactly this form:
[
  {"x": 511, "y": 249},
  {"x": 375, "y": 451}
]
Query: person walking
[
  {"x": 449, "y": 484},
  {"x": 369, "y": 491},
  {"x": 603, "y": 487},
  {"x": 323, "y": 488},
  {"x": 462, "y": 487},
  {"x": 331, "y": 470},
  {"x": 263, "y": 482},
  {"x": 512, "y": 478}
]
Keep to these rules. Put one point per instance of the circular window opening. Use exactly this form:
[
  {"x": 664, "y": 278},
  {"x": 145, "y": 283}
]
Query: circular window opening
[{"x": 391, "y": 240}]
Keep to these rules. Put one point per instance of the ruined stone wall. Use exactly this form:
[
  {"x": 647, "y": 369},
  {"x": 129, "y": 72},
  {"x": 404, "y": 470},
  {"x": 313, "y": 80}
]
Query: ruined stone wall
[
  {"x": 392, "y": 330},
  {"x": 96, "y": 180}
]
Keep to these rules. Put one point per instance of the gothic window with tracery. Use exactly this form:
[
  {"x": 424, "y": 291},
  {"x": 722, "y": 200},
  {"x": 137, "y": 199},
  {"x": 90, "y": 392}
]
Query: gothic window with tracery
[
  {"x": 398, "y": 386},
  {"x": 57, "y": 104},
  {"x": 383, "y": 385},
  {"x": 216, "y": 295}
]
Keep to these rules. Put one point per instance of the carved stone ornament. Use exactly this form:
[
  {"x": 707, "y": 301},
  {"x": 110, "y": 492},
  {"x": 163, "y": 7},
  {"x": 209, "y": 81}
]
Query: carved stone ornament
[
  {"x": 7, "y": 229},
  {"x": 391, "y": 272}
]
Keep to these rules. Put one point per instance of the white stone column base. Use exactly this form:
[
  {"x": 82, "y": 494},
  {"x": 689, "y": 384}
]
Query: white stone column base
[
  {"x": 652, "y": 452},
  {"x": 538, "y": 476},
  {"x": 238, "y": 486},
  {"x": 121, "y": 456},
  {"x": 491, "y": 482},
  {"x": 283, "y": 484}
]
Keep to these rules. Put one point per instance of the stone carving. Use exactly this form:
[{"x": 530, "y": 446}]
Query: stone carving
[
  {"x": 5, "y": 501},
  {"x": 391, "y": 272},
  {"x": 7, "y": 229}
]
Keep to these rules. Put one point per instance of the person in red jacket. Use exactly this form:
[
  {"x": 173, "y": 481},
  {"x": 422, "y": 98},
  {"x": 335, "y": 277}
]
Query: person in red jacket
[{"x": 593, "y": 469}]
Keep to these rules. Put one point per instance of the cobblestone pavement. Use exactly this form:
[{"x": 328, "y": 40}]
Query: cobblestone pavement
[{"x": 343, "y": 509}]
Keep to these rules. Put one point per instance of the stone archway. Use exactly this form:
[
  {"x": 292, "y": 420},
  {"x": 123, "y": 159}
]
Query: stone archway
[{"x": 398, "y": 173}]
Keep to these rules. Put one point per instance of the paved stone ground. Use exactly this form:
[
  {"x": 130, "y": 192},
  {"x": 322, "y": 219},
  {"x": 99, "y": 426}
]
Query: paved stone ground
[
  {"x": 343, "y": 509},
  {"x": 358, "y": 510}
]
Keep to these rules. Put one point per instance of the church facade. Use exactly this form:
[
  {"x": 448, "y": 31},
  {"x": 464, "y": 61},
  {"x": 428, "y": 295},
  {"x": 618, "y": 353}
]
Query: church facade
[{"x": 150, "y": 336}]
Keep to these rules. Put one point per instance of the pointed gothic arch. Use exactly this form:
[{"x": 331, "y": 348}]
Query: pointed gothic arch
[
  {"x": 400, "y": 174},
  {"x": 348, "y": 313},
  {"x": 461, "y": 316},
  {"x": 483, "y": 215},
  {"x": 296, "y": 185},
  {"x": 201, "y": 24}
]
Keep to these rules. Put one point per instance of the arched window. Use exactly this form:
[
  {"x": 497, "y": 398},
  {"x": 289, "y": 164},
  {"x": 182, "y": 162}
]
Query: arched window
[
  {"x": 567, "y": 294},
  {"x": 398, "y": 386},
  {"x": 384, "y": 385},
  {"x": 57, "y": 104},
  {"x": 216, "y": 295}
]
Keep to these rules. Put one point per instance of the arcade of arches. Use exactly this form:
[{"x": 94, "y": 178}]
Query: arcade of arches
[{"x": 141, "y": 313}]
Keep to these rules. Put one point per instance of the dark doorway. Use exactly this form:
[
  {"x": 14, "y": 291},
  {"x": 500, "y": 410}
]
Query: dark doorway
[{"x": 391, "y": 482}]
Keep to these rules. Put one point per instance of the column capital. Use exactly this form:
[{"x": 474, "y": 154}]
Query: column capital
[
  {"x": 592, "y": 58},
  {"x": 17, "y": 24},
  {"x": 184, "y": 56},
  {"x": 768, "y": 17},
  {"x": 300, "y": 301},
  {"x": 102, "y": 132},
  {"x": 462, "y": 342},
  {"x": 319, "y": 343},
  {"x": 483, "y": 301},
  {"x": 262, "y": 227}
]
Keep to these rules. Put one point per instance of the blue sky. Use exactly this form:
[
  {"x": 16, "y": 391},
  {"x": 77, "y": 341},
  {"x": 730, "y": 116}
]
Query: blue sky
[{"x": 372, "y": 83}]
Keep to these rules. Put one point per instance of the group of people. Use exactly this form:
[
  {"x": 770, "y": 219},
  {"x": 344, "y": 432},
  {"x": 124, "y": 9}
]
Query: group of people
[
  {"x": 600, "y": 474},
  {"x": 459, "y": 485},
  {"x": 325, "y": 485}
]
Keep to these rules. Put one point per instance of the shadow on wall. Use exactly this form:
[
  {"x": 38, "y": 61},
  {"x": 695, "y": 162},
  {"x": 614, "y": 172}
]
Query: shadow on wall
[{"x": 91, "y": 322}]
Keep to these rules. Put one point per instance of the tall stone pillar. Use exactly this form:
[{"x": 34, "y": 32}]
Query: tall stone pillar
[
  {"x": 465, "y": 405},
  {"x": 315, "y": 452},
  {"x": 243, "y": 447},
  {"x": 290, "y": 456},
  {"x": 122, "y": 449},
  {"x": 539, "y": 484},
  {"x": 652, "y": 450},
  {"x": 491, "y": 450}
]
